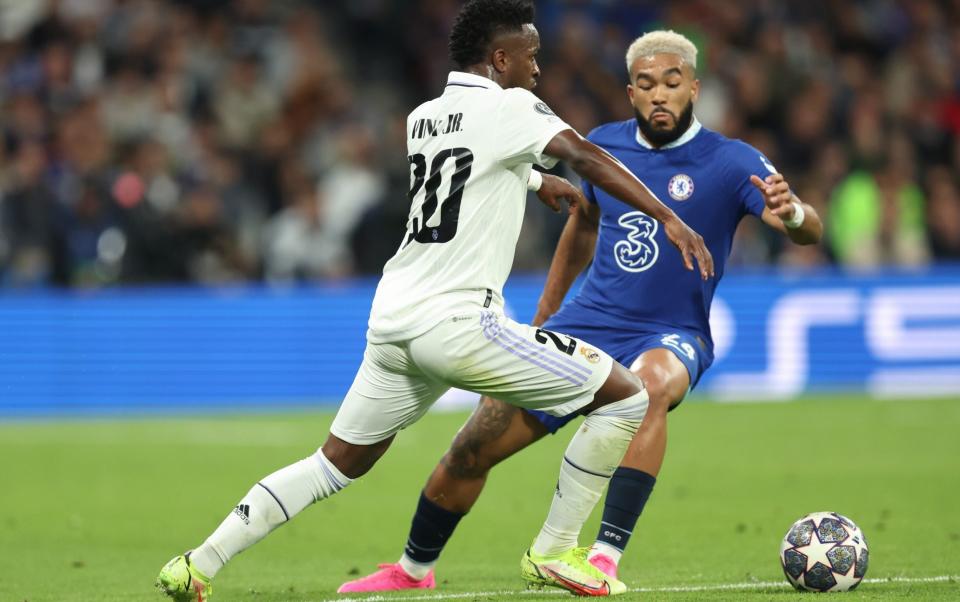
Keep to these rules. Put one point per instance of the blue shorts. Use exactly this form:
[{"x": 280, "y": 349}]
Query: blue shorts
[{"x": 626, "y": 347}]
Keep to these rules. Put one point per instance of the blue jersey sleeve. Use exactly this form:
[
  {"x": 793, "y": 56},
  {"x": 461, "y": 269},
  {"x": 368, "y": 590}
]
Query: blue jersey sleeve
[
  {"x": 588, "y": 191},
  {"x": 745, "y": 162}
]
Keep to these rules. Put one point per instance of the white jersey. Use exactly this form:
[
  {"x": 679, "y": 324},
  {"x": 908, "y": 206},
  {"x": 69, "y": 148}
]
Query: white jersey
[{"x": 470, "y": 155}]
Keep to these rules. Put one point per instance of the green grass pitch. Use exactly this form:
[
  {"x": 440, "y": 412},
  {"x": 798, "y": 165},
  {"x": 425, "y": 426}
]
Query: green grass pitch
[{"x": 92, "y": 509}]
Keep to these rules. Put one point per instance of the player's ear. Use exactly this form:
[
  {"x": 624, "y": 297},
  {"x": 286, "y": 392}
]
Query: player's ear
[
  {"x": 695, "y": 90},
  {"x": 500, "y": 60}
]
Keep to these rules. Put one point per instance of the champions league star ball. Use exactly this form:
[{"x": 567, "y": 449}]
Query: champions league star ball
[{"x": 824, "y": 552}]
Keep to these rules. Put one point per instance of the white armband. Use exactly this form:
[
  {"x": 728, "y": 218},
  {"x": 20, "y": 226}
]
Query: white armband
[
  {"x": 797, "y": 220},
  {"x": 535, "y": 181}
]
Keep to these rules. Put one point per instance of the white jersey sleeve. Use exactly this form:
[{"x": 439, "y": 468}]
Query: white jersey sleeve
[{"x": 526, "y": 125}]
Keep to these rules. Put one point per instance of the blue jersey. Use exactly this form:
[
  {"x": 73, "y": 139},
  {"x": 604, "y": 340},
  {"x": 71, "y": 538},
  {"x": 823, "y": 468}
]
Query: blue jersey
[{"x": 638, "y": 281}]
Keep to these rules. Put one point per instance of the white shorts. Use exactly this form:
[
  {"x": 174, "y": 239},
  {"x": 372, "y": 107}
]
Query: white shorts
[{"x": 480, "y": 351}]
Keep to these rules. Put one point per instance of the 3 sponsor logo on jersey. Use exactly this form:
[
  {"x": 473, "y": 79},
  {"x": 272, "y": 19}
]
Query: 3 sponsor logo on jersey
[
  {"x": 639, "y": 251},
  {"x": 680, "y": 187}
]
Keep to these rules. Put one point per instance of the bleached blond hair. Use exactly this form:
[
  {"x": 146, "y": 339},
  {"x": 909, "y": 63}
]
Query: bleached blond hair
[{"x": 663, "y": 41}]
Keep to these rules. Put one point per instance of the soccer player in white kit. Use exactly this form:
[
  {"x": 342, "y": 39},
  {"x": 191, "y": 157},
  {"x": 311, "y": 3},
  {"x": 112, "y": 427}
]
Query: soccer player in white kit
[{"x": 437, "y": 319}]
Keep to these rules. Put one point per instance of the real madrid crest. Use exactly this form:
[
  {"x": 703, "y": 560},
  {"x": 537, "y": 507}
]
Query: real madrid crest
[
  {"x": 591, "y": 354},
  {"x": 680, "y": 187}
]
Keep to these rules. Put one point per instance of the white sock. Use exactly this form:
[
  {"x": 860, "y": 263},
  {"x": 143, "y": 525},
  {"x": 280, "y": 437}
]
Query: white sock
[
  {"x": 588, "y": 463},
  {"x": 600, "y": 547},
  {"x": 417, "y": 570},
  {"x": 270, "y": 503}
]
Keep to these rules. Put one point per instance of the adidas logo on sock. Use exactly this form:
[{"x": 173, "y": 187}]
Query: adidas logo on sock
[{"x": 243, "y": 511}]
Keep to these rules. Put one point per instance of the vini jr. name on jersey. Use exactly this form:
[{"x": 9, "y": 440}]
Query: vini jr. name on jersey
[{"x": 436, "y": 127}]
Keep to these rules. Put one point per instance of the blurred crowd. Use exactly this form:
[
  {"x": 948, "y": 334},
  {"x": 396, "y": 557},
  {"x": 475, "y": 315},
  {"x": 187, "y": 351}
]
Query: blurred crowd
[{"x": 214, "y": 141}]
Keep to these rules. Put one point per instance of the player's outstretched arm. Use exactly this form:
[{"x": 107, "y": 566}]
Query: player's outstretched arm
[
  {"x": 601, "y": 169},
  {"x": 574, "y": 251},
  {"x": 787, "y": 213}
]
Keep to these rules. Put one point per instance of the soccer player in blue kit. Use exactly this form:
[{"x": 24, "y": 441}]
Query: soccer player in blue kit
[{"x": 638, "y": 302}]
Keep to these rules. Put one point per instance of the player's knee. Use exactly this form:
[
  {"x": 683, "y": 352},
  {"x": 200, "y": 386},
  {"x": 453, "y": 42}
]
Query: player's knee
[
  {"x": 631, "y": 409},
  {"x": 662, "y": 390},
  {"x": 659, "y": 399},
  {"x": 352, "y": 460}
]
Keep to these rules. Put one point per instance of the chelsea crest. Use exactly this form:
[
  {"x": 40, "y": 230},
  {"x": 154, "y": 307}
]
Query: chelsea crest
[{"x": 680, "y": 187}]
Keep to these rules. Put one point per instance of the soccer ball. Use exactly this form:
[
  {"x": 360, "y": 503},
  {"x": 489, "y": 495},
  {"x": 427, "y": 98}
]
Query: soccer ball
[{"x": 824, "y": 552}]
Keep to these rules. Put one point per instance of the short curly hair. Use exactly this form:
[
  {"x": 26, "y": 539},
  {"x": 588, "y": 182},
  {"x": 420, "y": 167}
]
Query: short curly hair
[
  {"x": 664, "y": 41},
  {"x": 479, "y": 22}
]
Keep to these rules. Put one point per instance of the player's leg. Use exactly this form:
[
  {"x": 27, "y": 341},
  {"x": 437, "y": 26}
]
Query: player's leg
[
  {"x": 588, "y": 463},
  {"x": 385, "y": 397},
  {"x": 273, "y": 501},
  {"x": 591, "y": 458},
  {"x": 494, "y": 432},
  {"x": 533, "y": 368},
  {"x": 667, "y": 380}
]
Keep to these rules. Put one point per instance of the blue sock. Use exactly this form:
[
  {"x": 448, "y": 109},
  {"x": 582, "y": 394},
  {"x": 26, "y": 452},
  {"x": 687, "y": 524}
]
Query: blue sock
[
  {"x": 432, "y": 527},
  {"x": 626, "y": 497}
]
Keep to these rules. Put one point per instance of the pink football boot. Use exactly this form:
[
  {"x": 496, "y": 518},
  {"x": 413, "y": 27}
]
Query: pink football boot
[{"x": 389, "y": 578}]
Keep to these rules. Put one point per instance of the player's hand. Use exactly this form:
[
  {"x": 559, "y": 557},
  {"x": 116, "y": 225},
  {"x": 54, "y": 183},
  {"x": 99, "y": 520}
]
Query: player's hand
[
  {"x": 691, "y": 245},
  {"x": 544, "y": 311},
  {"x": 554, "y": 189},
  {"x": 776, "y": 194}
]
